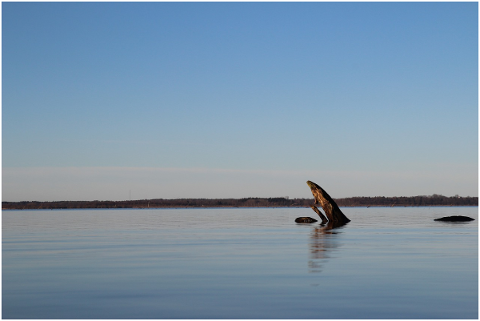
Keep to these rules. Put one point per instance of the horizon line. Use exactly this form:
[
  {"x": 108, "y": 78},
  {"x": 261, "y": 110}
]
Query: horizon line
[{"x": 240, "y": 198}]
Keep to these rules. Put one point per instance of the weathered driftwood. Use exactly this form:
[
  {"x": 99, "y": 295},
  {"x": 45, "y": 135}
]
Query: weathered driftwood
[
  {"x": 305, "y": 219},
  {"x": 333, "y": 213},
  {"x": 455, "y": 218},
  {"x": 315, "y": 209}
]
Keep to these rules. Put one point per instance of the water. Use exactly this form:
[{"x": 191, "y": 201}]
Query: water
[{"x": 239, "y": 263}]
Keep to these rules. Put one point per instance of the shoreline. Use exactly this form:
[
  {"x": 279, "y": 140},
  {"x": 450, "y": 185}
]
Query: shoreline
[
  {"x": 218, "y": 207},
  {"x": 276, "y": 202}
]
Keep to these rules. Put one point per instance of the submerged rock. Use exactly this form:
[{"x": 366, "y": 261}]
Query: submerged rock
[
  {"x": 304, "y": 219},
  {"x": 455, "y": 218}
]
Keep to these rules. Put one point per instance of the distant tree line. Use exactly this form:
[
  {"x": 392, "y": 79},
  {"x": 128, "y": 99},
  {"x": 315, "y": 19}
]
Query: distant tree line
[{"x": 433, "y": 200}]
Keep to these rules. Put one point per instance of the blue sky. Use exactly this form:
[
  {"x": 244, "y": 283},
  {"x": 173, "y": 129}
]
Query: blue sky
[{"x": 176, "y": 100}]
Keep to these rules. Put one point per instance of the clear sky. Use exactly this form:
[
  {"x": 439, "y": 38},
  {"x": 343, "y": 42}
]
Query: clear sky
[{"x": 113, "y": 101}]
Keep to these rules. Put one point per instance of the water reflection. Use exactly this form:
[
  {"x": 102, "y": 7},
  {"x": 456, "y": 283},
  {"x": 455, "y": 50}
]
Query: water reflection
[{"x": 323, "y": 239}]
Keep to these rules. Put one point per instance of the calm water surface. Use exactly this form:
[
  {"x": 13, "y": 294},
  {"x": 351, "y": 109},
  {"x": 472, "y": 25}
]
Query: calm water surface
[{"x": 239, "y": 263}]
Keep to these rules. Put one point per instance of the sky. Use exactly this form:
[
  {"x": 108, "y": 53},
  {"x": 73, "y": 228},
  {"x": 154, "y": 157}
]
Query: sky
[{"x": 118, "y": 101}]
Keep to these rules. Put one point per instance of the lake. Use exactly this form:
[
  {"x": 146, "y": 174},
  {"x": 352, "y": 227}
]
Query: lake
[{"x": 239, "y": 263}]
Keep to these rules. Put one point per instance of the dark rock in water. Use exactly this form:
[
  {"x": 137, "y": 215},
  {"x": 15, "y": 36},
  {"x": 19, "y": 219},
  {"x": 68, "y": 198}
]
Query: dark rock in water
[
  {"x": 455, "y": 218},
  {"x": 305, "y": 220}
]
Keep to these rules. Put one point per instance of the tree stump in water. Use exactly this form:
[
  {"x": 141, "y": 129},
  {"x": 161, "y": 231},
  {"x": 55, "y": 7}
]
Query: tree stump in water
[
  {"x": 333, "y": 213},
  {"x": 315, "y": 209}
]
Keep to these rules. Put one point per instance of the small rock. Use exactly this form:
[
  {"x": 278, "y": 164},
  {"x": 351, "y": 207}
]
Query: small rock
[
  {"x": 305, "y": 220},
  {"x": 455, "y": 218}
]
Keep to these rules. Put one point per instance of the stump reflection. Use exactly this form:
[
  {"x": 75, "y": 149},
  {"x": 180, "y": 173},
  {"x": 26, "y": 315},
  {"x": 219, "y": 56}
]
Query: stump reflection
[{"x": 323, "y": 239}]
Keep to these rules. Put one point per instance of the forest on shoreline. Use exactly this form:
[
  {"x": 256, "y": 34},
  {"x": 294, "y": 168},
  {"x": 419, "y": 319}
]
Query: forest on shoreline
[{"x": 432, "y": 200}]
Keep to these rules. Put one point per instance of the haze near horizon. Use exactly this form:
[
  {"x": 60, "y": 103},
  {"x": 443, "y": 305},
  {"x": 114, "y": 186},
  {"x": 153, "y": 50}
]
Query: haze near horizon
[{"x": 112, "y": 101}]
